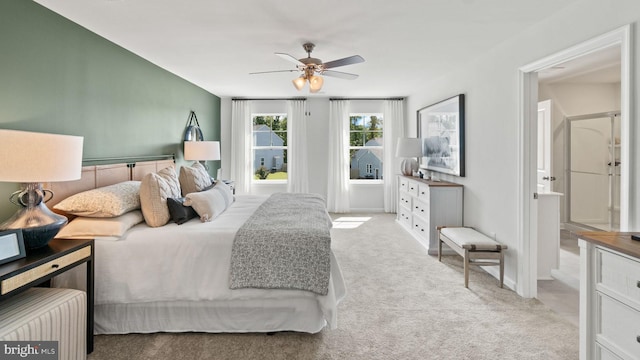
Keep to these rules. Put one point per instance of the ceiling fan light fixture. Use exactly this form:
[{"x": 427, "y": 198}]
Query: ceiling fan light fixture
[
  {"x": 315, "y": 83},
  {"x": 299, "y": 82}
]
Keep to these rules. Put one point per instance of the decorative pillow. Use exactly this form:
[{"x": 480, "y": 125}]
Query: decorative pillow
[
  {"x": 208, "y": 204},
  {"x": 179, "y": 213},
  {"x": 103, "y": 228},
  {"x": 155, "y": 189},
  {"x": 109, "y": 201},
  {"x": 194, "y": 178},
  {"x": 226, "y": 192}
]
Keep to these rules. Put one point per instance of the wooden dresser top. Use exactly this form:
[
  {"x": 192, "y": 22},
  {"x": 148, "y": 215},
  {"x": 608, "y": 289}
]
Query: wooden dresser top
[
  {"x": 619, "y": 241},
  {"x": 430, "y": 182}
]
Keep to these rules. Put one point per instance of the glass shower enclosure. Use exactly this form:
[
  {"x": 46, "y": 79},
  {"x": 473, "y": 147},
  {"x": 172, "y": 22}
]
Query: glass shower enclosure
[{"x": 593, "y": 174}]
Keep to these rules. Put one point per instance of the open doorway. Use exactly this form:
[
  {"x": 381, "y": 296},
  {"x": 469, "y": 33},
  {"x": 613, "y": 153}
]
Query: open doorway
[
  {"x": 528, "y": 226},
  {"x": 584, "y": 147}
]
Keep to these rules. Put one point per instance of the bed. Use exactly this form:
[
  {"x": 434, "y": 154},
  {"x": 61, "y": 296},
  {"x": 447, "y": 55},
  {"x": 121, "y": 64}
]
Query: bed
[{"x": 176, "y": 278}]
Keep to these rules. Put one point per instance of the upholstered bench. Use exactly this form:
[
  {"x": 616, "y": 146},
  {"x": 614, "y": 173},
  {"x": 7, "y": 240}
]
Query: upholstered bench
[
  {"x": 44, "y": 314},
  {"x": 474, "y": 247}
]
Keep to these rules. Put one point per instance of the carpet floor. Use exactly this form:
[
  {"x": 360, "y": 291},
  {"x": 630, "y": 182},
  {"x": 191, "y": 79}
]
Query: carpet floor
[{"x": 400, "y": 304}]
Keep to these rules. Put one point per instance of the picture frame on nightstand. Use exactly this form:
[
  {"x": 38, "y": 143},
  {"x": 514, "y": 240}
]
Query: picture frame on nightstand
[{"x": 11, "y": 246}]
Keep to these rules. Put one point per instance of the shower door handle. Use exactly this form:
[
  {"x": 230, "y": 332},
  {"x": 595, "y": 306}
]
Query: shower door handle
[{"x": 550, "y": 178}]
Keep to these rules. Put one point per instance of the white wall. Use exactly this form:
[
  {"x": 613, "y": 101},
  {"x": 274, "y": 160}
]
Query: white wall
[
  {"x": 491, "y": 86},
  {"x": 363, "y": 197}
]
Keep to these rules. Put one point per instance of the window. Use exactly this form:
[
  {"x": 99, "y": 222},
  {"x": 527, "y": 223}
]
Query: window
[
  {"x": 366, "y": 146},
  {"x": 269, "y": 147}
]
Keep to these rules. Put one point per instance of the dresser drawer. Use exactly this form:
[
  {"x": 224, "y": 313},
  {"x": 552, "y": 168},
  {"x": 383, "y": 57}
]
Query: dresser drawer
[
  {"x": 604, "y": 354},
  {"x": 621, "y": 275},
  {"x": 420, "y": 208},
  {"x": 43, "y": 270},
  {"x": 404, "y": 216},
  {"x": 412, "y": 188},
  {"x": 404, "y": 184},
  {"x": 421, "y": 226},
  {"x": 405, "y": 199},
  {"x": 619, "y": 326},
  {"x": 423, "y": 192}
]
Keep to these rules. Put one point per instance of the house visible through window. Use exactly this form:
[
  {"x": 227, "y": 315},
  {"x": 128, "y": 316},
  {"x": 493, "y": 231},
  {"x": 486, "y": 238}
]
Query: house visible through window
[
  {"x": 366, "y": 150},
  {"x": 269, "y": 147}
]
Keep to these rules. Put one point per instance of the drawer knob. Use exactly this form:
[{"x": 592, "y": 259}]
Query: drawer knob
[
  {"x": 55, "y": 266},
  {"x": 638, "y": 284},
  {"x": 638, "y": 338}
]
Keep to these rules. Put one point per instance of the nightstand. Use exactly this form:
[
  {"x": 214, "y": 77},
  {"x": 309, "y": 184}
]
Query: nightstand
[
  {"x": 40, "y": 265},
  {"x": 231, "y": 184}
]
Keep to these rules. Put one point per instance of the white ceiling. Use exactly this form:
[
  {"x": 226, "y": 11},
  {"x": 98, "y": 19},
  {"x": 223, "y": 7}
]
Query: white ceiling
[{"x": 216, "y": 44}]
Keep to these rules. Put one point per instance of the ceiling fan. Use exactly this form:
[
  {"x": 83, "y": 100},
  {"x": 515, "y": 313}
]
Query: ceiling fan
[{"x": 312, "y": 68}]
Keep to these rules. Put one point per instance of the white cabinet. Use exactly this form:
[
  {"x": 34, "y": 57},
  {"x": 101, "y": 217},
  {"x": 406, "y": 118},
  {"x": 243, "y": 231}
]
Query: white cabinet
[
  {"x": 548, "y": 234},
  {"x": 609, "y": 296},
  {"x": 424, "y": 205}
]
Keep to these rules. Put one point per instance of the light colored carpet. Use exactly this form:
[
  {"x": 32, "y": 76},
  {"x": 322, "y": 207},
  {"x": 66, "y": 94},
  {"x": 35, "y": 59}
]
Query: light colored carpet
[{"x": 401, "y": 304}]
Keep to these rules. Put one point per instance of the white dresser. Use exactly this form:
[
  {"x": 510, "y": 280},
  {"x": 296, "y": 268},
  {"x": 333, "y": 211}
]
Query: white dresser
[
  {"x": 423, "y": 205},
  {"x": 609, "y": 296}
]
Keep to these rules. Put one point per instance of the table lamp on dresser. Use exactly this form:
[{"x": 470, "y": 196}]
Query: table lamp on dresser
[
  {"x": 31, "y": 158},
  {"x": 409, "y": 149}
]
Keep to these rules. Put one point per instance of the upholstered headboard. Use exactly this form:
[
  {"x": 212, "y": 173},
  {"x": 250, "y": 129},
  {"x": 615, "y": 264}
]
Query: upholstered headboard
[{"x": 95, "y": 176}]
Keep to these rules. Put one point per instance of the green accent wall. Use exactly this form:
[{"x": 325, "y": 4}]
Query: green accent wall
[{"x": 58, "y": 77}]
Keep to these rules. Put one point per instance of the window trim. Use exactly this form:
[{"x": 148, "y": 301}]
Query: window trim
[
  {"x": 380, "y": 147},
  {"x": 255, "y": 181}
]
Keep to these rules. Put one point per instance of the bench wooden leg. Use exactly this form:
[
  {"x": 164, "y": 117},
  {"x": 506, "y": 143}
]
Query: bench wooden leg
[
  {"x": 501, "y": 269},
  {"x": 439, "y": 248},
  {"x": 466, "y": 268}
]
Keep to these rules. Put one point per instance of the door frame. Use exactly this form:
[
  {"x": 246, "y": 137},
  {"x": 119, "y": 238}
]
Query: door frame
[{"x": 527, "y": 220}]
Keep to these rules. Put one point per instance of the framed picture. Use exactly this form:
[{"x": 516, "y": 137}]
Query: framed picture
[
  {"x": 441, "y": 130},
  {"x": 11, "y": 246}
]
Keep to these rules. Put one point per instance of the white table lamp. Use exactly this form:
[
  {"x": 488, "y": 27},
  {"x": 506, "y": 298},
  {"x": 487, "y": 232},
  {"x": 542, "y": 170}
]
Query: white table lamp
[
  {"x": 32, "y": 158},
  {"x": 202, "y": 150},
  {"x": 409, "y": 149}
]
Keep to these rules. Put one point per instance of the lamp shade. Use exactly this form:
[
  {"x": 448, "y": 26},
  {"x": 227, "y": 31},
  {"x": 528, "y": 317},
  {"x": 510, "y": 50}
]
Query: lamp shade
[
  {"x": 201, "y": 150},
  {"x": 408, "y": 147},
  {"x": 315, "y": 83},
  {"x": 30, "y": 157},
  {"x": 299, "y": 82}
]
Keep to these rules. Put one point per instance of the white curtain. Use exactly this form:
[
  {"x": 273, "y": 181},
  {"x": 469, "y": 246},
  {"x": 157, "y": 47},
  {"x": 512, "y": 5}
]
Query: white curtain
[
  {"x": 393, "y": 128},
  {"x": 297, "y": 160},
  {"x": 338, "y": 150},
  {"x": 241, "y": 157}
]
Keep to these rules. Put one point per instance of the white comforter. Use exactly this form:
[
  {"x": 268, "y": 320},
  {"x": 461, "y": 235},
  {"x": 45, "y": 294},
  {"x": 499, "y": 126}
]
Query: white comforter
[{"x": 188, "y": 262}]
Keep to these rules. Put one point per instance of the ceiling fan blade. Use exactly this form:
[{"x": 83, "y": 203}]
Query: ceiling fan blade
[
  {"x": 355, "y": 59},
  {"x": 273, "y": 71},
  {"x": 290, "y": 58},
  {"x": 339, "y": 74}
]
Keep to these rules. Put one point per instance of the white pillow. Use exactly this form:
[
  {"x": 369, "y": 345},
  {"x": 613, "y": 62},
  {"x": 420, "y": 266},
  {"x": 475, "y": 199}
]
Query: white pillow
[
  {"x": 194, "y": 178},
  {"x": 154, "y": 191},
  {"x": 208, "y": 204},
  {"x": 226, "y": 192},
  {"x": 103, "y": 228},
  {"x": 108, "y": 201}
]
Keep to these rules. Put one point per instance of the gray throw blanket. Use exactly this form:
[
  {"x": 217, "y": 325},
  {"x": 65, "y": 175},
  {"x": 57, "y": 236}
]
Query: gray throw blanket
[{"x": 285, "y": 244}]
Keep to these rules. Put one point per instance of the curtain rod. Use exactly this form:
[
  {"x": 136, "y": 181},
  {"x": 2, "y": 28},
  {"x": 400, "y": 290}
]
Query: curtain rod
[
  {"x": 398, "y": 98},
  {"x": 269, "y": 99}
]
